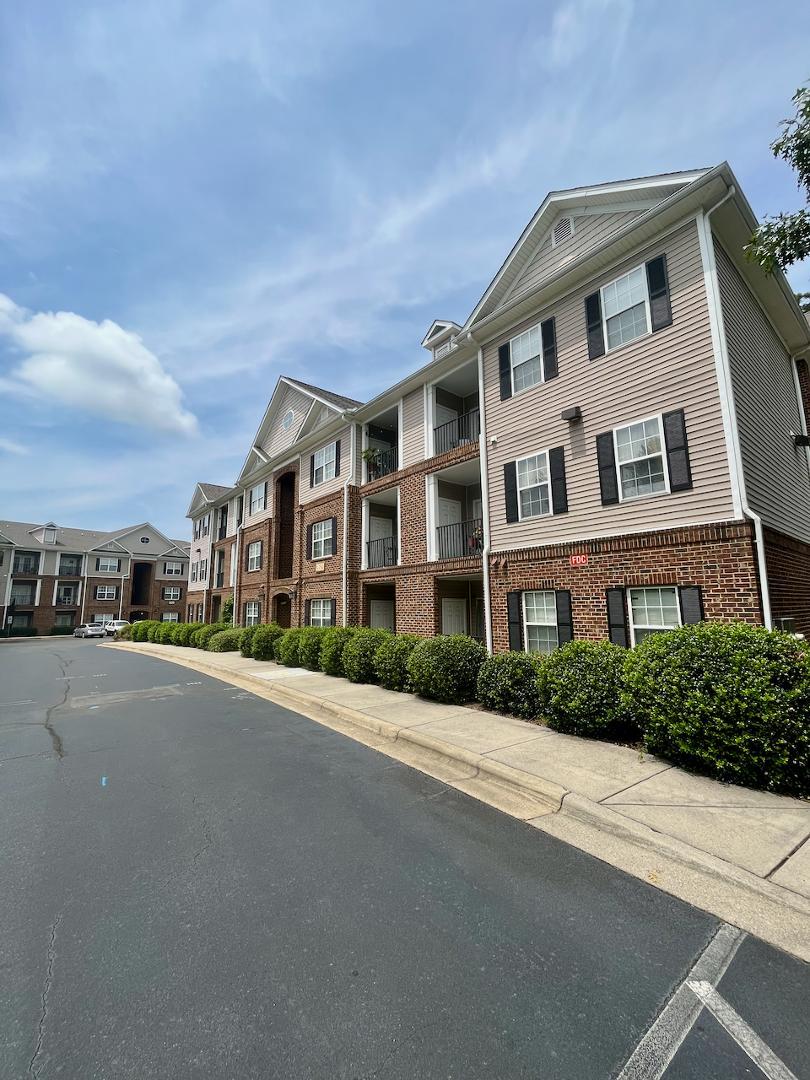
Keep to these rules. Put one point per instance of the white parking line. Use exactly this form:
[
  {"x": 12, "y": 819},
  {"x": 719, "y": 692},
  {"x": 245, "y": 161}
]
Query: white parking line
[
  {"x": 660, "y": 1042},
  {"x": 9, "y": 704},
  {"x": 59, "y": 678},
  {"x": 744, "y": 1036}
]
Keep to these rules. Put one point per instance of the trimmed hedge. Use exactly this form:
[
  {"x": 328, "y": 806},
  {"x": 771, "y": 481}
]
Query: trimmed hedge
[
  {"x": 152, "y": 630},
  {"x": 287, "y": 647},
  {"x": 141, "y": 629},
  {"x": 580, "y": 686},
  {"x": 182, "y": 634},
  {"x": 20, "y": 631},
  {"x": 391, "y": 660},
  {"x": 225, "y": 640},
  {"x": 726, "y": 699},
  {"x": 507, "y": 682},
  {"x": 446, "y": 668},
  {"x": 164, "y": 634},
  {"x": 359, "y": 654},
  {"x": 264, "y": 640},
  {"x": 334, "y": 642},
  {"x": 246, "y": 640},
  {"x": 60, "y": 631},
  {"x": 124, "y": 633},
  {"x": 309, "y": 648},
  {"x": 203, "y": 635}
]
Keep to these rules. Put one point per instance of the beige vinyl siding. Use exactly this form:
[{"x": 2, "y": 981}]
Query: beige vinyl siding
[
  {"x": 413, "y": 427},
  {"x": 261, "y": 515},
  {"x": 589, "y": 231},
  {"x": 777, "y": 481},
  {"x": 306, "y": 493},
  {"x": 280, "y": 440},
  {"x": 671, "y": 369}
]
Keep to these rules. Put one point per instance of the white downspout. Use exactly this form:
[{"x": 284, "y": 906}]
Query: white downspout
[
  {"x": 8, "y": 588},
  {"x": 484, "y": 493},
  {"x": 84, "y": 588},
  {"x": 345, "y": 548},
  {"x": 727, "y": 392}
]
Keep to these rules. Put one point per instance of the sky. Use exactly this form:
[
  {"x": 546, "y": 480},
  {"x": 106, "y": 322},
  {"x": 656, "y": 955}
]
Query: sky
[{"x": 197, "y": 197}]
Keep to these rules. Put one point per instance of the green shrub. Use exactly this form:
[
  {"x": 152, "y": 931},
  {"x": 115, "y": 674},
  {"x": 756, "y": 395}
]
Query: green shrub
[
  {"x": 287, "y": 648},
  {"x": 334, "y": 642},
  {"x": 391, "y": 660},
  {"x": 206, "y": 632},
  {"x": 246, "y": 641},
  {"x": 182, "y": 633},
  {"x": 446, "y": 668},
  {"x": 60, "y": 631},
  {"x": 141, "y": 629},
  {"x": 359, "y": 653},
  {"x": 507, "y": 682},
  {"x": 227, "y": 611},
  {"x": 164, "y": 634},
  {"x": 20, "y": 631},
  {"x": 225, "y": 640},
  {"x": 264, "y": 640},
  {"x": 309, "y": 649},
  {"x": 580, "y": 686},
  {"x": 726, "y": 699},
  {"x": 194, "y": 637},
  {"x": 152, "y": 630},
  {"x": 124, "y": 633}
]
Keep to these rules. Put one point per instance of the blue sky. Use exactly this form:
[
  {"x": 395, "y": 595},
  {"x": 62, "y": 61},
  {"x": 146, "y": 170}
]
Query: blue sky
[{"x": 196, "y": 197}]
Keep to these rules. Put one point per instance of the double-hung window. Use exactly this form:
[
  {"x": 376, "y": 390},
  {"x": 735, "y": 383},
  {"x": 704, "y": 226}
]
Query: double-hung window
[
  {"x": 320, "y": 612},
  {"x": 252, "y": 613},
  {"x": 203, "y": 569},
  {"x": 534, "y": 489},
  {"x": 170, "y": 616},
  {"x": 194, "y": 570},
  {"x": 323, "y": 464},
  {"x": 626, "y": 308},
  {"x": 105, "y": 592},
  {"x": 652, "y": 610},
  {"x": 257, "y": 498},
  {"x": 526, "y": 352},
  {"x": 172, "y": 569},
  {"x": 171, "y": 592},
  {"x": 640, "y": 459},
  {"x": 323, "y": 543},
  {"x": 540, "y": 621},
  {"x": 255, "y": 555},
  {"x": 108, "y": 566}
]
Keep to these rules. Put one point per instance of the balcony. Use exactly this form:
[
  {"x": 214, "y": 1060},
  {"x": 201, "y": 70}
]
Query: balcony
[
  {"x": 382, "y": 552},
  {"x": 23, "y": 597},
  {"x": 380, "y": 443},
  {"x": 380, "y": 462},
  {"x": 26, "y": 564},
  {"x": 222, "y": 531},
  {"x": 219, "y": 580},
  {"x": 460, "y": 539},
  {"x": 70, "y": 569},
  {"x": 461, "y": 431},
  {"x": 66, "y": 600}
]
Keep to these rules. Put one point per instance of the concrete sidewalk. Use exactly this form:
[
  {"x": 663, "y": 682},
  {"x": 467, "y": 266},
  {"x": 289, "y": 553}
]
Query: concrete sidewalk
[{"x": 743, "y": 855}]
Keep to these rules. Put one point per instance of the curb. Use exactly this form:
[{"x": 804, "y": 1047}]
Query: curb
[{"x": 772, "y": 912}]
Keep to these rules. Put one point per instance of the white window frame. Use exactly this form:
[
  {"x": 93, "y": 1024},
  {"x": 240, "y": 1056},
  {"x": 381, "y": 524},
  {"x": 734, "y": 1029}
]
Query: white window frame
[
  {"x": 203, "y": 570},
  {"x": 321, "y": 540},
  {"x": 517, "y": 337},
  {"x": 323, "y": 619},
  {"x": 613, "y": 281},
  {"x": 49, "y": 536},
  {"x": 206, "y": 524},
  {"x": 326, "y": 461},
  {"x": 170, "y": 616},
  {"x": 617, "y": 464},
  {"x": 526, "y": 623},
  {"x": 258, "y": 502},
  {"x": 106, "y": 588},
  {"x": 232, "y": 574},
  {"x": 195, "y": 568},
  {"x": 173, "y": 589},
  {"x": 173, "y": 569},
  {"x": 254, "y": 556},
  {"x": 658, "y": 629},
  {"x": 110, "y": 568},
  {"x": 253, "y": 612},
  {"x": 550, "y": 511}
]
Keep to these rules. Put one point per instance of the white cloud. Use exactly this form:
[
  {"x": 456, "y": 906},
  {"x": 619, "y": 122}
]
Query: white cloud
[
  {"x": 578, "y": 25},
  {"x": 9, "y": 446},
  {"x": 99, "y": 368}
]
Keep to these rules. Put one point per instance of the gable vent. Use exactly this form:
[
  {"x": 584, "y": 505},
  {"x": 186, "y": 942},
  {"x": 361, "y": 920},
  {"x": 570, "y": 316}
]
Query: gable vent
[{"x": 563, "y": 229}]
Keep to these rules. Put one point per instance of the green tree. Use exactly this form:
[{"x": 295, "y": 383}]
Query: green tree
[
  {"x": 781, "y": 241},
  {"x": 227, "y": 610}
]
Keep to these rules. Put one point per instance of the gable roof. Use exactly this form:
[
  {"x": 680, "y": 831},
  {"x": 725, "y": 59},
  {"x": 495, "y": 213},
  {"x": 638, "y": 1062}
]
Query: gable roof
[
  {"x": 327, "y": 396},
  {"x": 213, "y": 491},
  {"x": 438, "y": 328},
  {"x": 20, "y": 535}
]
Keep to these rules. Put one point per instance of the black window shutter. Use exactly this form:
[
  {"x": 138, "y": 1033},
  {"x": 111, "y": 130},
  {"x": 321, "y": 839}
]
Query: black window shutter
[
  {"x": 514, "y": 611},
  {"x": 119, "y": 564},
  {"x": 565, "y": 622},
  {"x": 307, "y": 613},
  {"x": 617, "y": 617},
  {"x": 265, "y": 494},
  {"x": 658, "y": 287},
  {"x": 247, "y": 556},
  {"x": 593, "y": 318},
  {"x": 98, "y": 563},
  {"x": 548, "y": 333},
  {"x": 691, "y": 601},
  {"x": 309, "y": 541},
  {"x": 510, "y": 490},
  {"x": 333, "y": 613},
  {"x": 559, "y": 490},
  {"x": 680, "y": 471},
  {"x": 505, "y": 365},
  {"x": 261, "y": 553},
  {"x": 337, "y": 458},
  {"x": 334, "y": 537},
  {"x": 606, "y": 460},
  {"x": 312, "y": 470}
]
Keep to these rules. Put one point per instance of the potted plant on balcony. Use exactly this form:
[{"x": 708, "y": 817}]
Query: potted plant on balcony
[
  {"x": 476, "y": 541},
  {"x": 371, "y": 456}
]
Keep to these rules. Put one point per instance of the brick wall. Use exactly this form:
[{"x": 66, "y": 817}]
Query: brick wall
[{"x": 788, "y": 565}]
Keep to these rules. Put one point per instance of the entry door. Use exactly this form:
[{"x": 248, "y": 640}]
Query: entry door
[
  {"x": 454, "y": 616},
  {"x": 380, "y": 528},
  {"x": 381, "y": 614},
  {"x": 445, "y": 415},
  {"x": 449, "y": 512}
]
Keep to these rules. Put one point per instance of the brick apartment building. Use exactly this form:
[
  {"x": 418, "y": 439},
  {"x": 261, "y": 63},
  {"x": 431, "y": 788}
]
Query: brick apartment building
[
  {"x": 56, "y": 577},
  {"x": 610, "y": 445}
]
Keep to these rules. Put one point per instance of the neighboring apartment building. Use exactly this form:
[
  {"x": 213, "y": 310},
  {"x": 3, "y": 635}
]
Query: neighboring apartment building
[
  {"x": 56, "y": 577},
  {"x": 609, "y": 446}
]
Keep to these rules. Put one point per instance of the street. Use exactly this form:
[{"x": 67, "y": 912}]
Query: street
[{"x": 199, "y": 884}]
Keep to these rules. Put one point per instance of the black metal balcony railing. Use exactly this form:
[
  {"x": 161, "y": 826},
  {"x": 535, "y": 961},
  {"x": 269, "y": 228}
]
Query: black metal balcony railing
[
  {"x": 464, "y": 429},
  {"x": 22, "y": 598},
  {"x": 66, "y": 600},
  {"x": 460, "y": 539},
  {"x": 220, "y": 580},
  {"x": 383, "y": 463},
  {"x": 70, "y": 569},
  {"x": 26, "y": 566},
  {"x": 222, "y": 532},
  {"x": 382, "y": 552}
]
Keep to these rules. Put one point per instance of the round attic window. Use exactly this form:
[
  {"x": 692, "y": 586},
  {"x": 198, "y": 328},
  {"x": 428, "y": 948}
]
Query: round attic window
[
  {"x": 144, "y": 539},
  {"x": 289, "y": 416}
]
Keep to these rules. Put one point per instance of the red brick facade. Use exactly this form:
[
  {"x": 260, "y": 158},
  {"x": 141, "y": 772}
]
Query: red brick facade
[{"x": 788, "y": 564}]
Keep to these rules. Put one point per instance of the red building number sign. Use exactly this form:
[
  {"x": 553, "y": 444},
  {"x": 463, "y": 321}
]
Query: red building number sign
[{"x": 579, "y": 560}]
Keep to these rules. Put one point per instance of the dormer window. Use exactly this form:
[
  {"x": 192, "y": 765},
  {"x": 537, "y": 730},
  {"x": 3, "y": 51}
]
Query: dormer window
[
  {"x": 563, "y": 230},
  {"x": 440, "y": 350},
  {"x": 50, "y": 536}
]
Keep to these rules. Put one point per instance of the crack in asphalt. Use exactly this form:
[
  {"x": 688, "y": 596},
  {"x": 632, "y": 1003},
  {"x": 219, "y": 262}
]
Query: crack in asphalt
[
  {"x": 56, "y": 738},
  {"x": 33, "y": 1068}
]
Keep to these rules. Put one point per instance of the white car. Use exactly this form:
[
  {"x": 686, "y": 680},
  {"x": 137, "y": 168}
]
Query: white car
[
  {"x": 116, "y": 624},
  {"x": 90, "y": 629}
]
